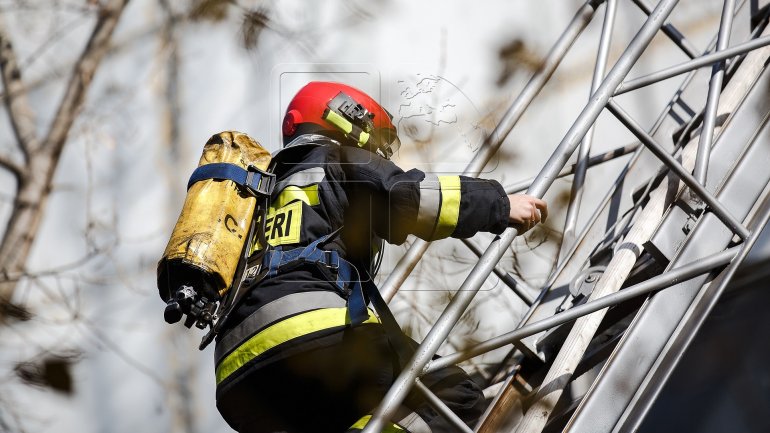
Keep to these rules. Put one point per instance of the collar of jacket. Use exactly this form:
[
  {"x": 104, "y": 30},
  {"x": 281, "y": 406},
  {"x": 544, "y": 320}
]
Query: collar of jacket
[
  {"x": 300, "y": 141},
  {"x": 312, "y": 140}
]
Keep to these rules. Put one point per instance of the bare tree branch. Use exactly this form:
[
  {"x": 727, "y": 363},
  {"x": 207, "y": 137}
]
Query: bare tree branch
[
  {"x": 81, "y": 78},
  {"x": 19, "y": 110},
  {"x": 34, "y": 191},
  {"x": 129, "y": 41},
  {"x": 17, "y": 170}
]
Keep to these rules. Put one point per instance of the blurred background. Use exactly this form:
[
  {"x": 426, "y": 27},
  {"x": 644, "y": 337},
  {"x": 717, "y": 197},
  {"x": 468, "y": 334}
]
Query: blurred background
[{"x": 114, "y": 101}]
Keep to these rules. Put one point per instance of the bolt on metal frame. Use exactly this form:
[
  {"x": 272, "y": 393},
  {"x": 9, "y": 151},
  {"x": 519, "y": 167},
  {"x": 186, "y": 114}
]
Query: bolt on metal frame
[{"x": 603, "y": 89}]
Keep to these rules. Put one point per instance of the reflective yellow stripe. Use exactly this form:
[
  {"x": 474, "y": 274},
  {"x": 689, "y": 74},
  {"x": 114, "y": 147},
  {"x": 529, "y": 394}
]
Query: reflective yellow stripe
[
  {"x": 283, "y": 225},
  {"x": 339, "y": 121},
  {"x": 346, "y": 126},
  {"x": 450, "y": 206},
  {"x": 283, "y": 331},
  {"x": 389, "y": 428},
  {"x": 307, "y": 194},
  {"x": 363, "y": 138},
  {"x": 361, "y": 423}
]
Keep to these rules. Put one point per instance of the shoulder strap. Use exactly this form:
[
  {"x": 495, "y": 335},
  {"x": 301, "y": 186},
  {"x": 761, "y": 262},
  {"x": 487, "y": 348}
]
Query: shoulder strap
[
  {"x": 245, "y": 274},
  {"x": 254, "y": 180},
  {"x": 399, "y": 342}
]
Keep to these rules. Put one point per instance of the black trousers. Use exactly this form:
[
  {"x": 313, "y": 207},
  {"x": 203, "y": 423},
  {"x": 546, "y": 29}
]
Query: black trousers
[{"x": 327, "y": 389}]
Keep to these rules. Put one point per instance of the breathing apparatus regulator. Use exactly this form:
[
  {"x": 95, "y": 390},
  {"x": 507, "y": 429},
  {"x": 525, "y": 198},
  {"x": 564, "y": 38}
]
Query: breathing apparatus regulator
[{"x": 200, "y": 273}]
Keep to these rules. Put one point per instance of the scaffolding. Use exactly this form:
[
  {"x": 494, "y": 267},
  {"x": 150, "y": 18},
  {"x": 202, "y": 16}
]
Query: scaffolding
[{"x": 686, "y": 230}]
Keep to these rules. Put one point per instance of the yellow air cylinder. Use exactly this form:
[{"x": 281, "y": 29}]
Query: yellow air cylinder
[{"x": 208, "y": 239}]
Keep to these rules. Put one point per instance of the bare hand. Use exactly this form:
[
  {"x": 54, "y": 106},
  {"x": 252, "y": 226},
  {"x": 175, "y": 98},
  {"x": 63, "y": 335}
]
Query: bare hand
[{"x": 526, "y": 211}]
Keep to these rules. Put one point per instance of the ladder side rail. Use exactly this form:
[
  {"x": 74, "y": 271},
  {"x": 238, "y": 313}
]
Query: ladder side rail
[{"x": 689, "y": 327}]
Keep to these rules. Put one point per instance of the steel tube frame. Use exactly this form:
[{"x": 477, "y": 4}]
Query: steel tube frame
[
  {"x": 536, "y": 83},
  {"x": 616, "y": 390},
  {"x": 441, "y": 408},
  {"x": 695, "y": 320},
  {"x": 581, "y": 165},
  {"x": 497, "y": 248},
  {"x": 712, "y": 101},
  {"x": 675, "y": 276},
  {"x": 618, "y": 225},
  {"x": 716, "y": 206},
  {"x": 708, "y": 59},
  {"x": 503, "y": 276},
  {"x": 669, "y": 30}
]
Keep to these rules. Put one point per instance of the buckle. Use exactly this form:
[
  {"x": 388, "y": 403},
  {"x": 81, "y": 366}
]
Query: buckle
[
  {"x": 259, "y": 182},
  {"x": 334, "y": 260}
]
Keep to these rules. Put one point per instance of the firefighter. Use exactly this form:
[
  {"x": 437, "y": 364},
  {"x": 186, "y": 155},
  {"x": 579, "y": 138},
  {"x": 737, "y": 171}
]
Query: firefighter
[{"x": 302, "y": 352}]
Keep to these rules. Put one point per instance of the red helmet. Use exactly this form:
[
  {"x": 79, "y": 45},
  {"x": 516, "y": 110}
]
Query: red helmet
[{"x": 343, "y": 112}]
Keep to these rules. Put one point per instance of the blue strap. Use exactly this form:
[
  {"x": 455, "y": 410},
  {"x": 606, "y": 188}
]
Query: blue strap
[
  {"x": 254, "y": 180},
  {"x": 356, "y": 301},
  {"x": 347, "y": 274}
]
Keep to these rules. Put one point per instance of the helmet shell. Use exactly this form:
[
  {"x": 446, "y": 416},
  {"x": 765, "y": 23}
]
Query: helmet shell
[{"x": 305, "y": 113}]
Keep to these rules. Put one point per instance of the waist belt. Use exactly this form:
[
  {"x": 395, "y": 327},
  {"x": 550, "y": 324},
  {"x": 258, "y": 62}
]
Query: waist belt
[{"x": 347, "y": 277}]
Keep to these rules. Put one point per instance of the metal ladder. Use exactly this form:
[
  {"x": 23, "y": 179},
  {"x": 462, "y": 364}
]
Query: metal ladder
[{"x": 684, "y": 227}]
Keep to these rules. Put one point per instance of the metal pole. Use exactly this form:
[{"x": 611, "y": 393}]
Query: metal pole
[
  {"x": 592, "y": 161},
  {"x": 675, "y": 35},
  {"x": 441, "y": 408},
  {"x": 716, "y": 206},
  {"x": 579, "y": 22},
  {"x": 498, "y": 247},
  {"x": 403, "y": 268},
  {"x": 715, "y": 88},
  {"x": 681, "y": 68},
  {"x": 670, "y": 278},
  {"x": 578, "y": 181},
  {"x": 503, "y": 275},
  {"x": 600, "y": 98}
]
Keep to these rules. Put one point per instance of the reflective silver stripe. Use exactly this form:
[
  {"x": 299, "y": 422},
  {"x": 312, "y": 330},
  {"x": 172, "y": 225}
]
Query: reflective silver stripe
[
  {"x": 409, "y": 422},
  {"x": 302, "y": 178},
  {"x": 430, "y": 205},
  {"x": 288, "y": 305},
  {"x": 309, "y": 140},
  {"x": 413, "y": 423}
]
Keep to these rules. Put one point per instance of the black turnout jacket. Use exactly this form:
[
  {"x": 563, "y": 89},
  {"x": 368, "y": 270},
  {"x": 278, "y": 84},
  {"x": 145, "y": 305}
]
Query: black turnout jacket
[{"x": 323, "y": 187}]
